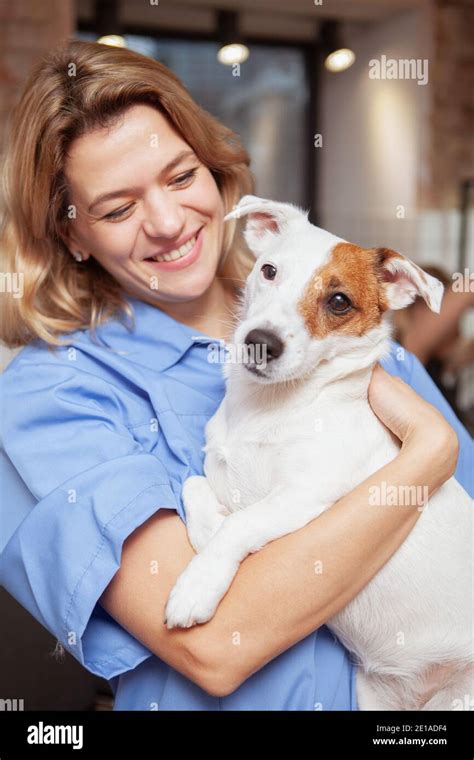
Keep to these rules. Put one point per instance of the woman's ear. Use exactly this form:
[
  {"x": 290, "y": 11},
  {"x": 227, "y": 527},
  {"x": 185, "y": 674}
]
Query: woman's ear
[
  {"x": 265, "y": 220},
  {"x": 73, "y": 245},
  {"x": 404, "y": 281}
]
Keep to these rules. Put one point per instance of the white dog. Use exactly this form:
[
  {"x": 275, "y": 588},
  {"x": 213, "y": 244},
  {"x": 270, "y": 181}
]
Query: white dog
[{"x": 295, "y": 433}]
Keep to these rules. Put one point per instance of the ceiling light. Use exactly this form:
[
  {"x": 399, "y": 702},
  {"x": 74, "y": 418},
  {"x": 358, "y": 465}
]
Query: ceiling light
[
  {"x": 232, "y": 49},
  {"x": 116, "y": 40},
  {"x": 338, "y": 57},
  {"x": 339, "y": 60},
  {"x": 233, "y": 53}
]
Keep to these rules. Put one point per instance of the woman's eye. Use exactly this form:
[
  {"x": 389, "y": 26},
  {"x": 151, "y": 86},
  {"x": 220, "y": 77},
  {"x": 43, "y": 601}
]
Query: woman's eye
[
  {"x": 120, "y": 213},
  {"x": 184, "y": 178},
  {"x": 339, "y": 303},
  {"x": 180, "y": 181},
  {"x": 269, "y": 271}
]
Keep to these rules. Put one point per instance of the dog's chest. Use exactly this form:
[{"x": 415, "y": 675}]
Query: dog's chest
[
  {"x": 328, "y": 446},
  {"x": 240, "y": 462}
]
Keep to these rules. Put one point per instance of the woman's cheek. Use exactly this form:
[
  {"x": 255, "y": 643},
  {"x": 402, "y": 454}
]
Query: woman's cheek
[
  {"x": 208, "y": 192},
  {"x": 117, "y": 242}
]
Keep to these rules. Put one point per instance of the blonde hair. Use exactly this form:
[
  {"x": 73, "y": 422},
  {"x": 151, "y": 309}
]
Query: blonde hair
[{"x": 79, "y": 87}]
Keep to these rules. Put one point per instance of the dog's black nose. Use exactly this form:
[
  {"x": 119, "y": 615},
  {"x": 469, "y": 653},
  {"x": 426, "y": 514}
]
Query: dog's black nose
[{"x": 274, "y": 346}]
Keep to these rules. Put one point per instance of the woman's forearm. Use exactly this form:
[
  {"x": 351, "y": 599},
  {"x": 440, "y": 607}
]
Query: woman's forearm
[
  {"x": 298, "y": 582},
  {"x": 279, "y": 594}
]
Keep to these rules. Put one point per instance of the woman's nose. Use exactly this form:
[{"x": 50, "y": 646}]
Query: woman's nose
[{"x": 164, "y": 216}]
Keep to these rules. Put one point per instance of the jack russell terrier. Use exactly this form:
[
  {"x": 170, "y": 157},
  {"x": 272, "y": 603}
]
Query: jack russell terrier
[{"x": 295, "y": 433}]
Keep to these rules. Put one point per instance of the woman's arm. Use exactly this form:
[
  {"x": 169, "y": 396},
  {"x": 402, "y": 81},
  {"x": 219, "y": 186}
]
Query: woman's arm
[{"x": 352, "y": 540}]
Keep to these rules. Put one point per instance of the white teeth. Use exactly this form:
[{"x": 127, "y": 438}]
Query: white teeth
[{"x": 177, "y": 253}]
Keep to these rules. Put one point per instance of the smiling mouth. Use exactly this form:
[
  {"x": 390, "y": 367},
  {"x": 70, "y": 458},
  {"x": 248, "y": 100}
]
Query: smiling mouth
[{"x": 176, "y": 253}]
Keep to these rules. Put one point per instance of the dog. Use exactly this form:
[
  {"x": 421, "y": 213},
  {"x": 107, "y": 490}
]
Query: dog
[{"x": 295, "y": 432}]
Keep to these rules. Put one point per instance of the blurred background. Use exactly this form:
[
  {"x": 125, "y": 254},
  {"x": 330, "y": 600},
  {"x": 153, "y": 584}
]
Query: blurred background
[{"x": 361, "y": 111}]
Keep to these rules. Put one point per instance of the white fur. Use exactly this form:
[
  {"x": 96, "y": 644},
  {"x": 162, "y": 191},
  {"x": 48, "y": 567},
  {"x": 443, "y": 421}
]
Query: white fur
[{"x": 284, "y": 446}]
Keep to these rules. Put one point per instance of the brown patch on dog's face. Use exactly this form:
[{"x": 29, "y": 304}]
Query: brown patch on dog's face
[{"x": 358, "y": 275}]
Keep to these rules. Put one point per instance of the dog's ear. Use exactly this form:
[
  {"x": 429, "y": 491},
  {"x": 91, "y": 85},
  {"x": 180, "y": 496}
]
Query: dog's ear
[
  {"x": 404, "y": 281},
  {"x": 265, "y": 219}
]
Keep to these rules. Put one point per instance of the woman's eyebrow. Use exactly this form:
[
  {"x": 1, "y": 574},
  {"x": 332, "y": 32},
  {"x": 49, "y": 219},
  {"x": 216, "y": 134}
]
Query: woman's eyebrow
[{"x": 127, "y": 190}]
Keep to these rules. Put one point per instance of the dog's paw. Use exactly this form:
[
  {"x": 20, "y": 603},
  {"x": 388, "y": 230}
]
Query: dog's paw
[
  {"x": 195, "y": 488},
  {"x": 203, "y": 518},
  {"x": 197, "y": 593},
  {"x": 199, "y": 535}
]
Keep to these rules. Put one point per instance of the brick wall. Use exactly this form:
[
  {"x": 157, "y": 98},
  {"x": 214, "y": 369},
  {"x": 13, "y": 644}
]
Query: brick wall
[
  {"x": 28, "y": 29},
  {"x": 451, "y": 145}
]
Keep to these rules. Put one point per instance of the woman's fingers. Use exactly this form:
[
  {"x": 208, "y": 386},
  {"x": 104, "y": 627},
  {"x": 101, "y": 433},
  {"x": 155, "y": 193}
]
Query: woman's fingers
[{"x": 403, "y": 411}]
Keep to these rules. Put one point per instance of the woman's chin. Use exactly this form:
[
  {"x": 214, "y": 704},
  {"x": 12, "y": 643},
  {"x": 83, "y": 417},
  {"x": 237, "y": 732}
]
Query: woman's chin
[
  {"x": 188, "y": 288},
  {"x": 187, "y": 292}
]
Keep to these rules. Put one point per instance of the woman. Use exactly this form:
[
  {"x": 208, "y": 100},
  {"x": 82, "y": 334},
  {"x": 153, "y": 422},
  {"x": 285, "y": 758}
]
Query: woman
[{"x": 112, "y": 164}]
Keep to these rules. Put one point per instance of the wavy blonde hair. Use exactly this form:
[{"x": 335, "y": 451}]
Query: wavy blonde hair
[{"x": 79, "y": 87}]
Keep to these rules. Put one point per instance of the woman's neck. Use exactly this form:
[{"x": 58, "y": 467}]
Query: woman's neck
[{"x": 213, "y": 313}]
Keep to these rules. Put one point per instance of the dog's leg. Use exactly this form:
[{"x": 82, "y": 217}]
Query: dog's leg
[
  {"x": 382, "y": 692},
  {"x": 368, "y": 692},
  {"x": 206, "y": 579},
  {"x": 204, "y": 514},
  {"x": 431, "y": 690},
  {"x": 457, "y": 694}
]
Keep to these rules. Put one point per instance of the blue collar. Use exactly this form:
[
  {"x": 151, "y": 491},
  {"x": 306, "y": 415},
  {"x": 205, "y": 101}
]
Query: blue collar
[{"x": 162, "y": 341}]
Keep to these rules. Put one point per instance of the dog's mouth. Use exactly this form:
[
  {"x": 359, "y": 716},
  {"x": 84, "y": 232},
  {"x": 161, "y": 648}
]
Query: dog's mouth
[
  {"x": 255, "y": 370},
  {"x": 263, "y": 376},
  {"x": 272, "y": 375}
]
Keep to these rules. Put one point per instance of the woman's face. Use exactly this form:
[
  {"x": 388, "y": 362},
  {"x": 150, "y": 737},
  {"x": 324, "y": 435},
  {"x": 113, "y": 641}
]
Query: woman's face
[{"x": 163, "y": 196}]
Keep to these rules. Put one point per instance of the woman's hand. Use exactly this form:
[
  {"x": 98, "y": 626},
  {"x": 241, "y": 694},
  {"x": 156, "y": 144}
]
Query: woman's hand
[{"x": 417, "y": 424}]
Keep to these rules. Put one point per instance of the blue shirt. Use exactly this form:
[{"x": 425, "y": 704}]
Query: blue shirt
[{"x": 96, "y": 438}]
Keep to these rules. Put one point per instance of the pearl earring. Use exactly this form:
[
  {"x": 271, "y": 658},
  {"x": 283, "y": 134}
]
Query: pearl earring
[{"x": 77, "y": 255}]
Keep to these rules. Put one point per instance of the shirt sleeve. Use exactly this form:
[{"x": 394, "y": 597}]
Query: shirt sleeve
[
  {"x": 89, "y": 484},
  {"x": 411, "y": 370}
]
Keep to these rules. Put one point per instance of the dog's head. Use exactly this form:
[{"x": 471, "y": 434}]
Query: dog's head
[{"x": 313, "y": 299}]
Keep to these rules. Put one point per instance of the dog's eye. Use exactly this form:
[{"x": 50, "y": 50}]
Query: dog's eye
[
  {"x": 339, "y": 303},
  {"x": 269, "y": 271}
]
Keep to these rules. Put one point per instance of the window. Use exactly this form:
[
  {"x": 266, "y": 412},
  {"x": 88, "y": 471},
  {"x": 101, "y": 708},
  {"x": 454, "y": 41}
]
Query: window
[{"x": 265, "y": 105}]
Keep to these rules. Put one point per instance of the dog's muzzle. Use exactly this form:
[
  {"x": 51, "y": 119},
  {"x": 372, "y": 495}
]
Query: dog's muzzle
[{"x": 263, "y": 347}]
